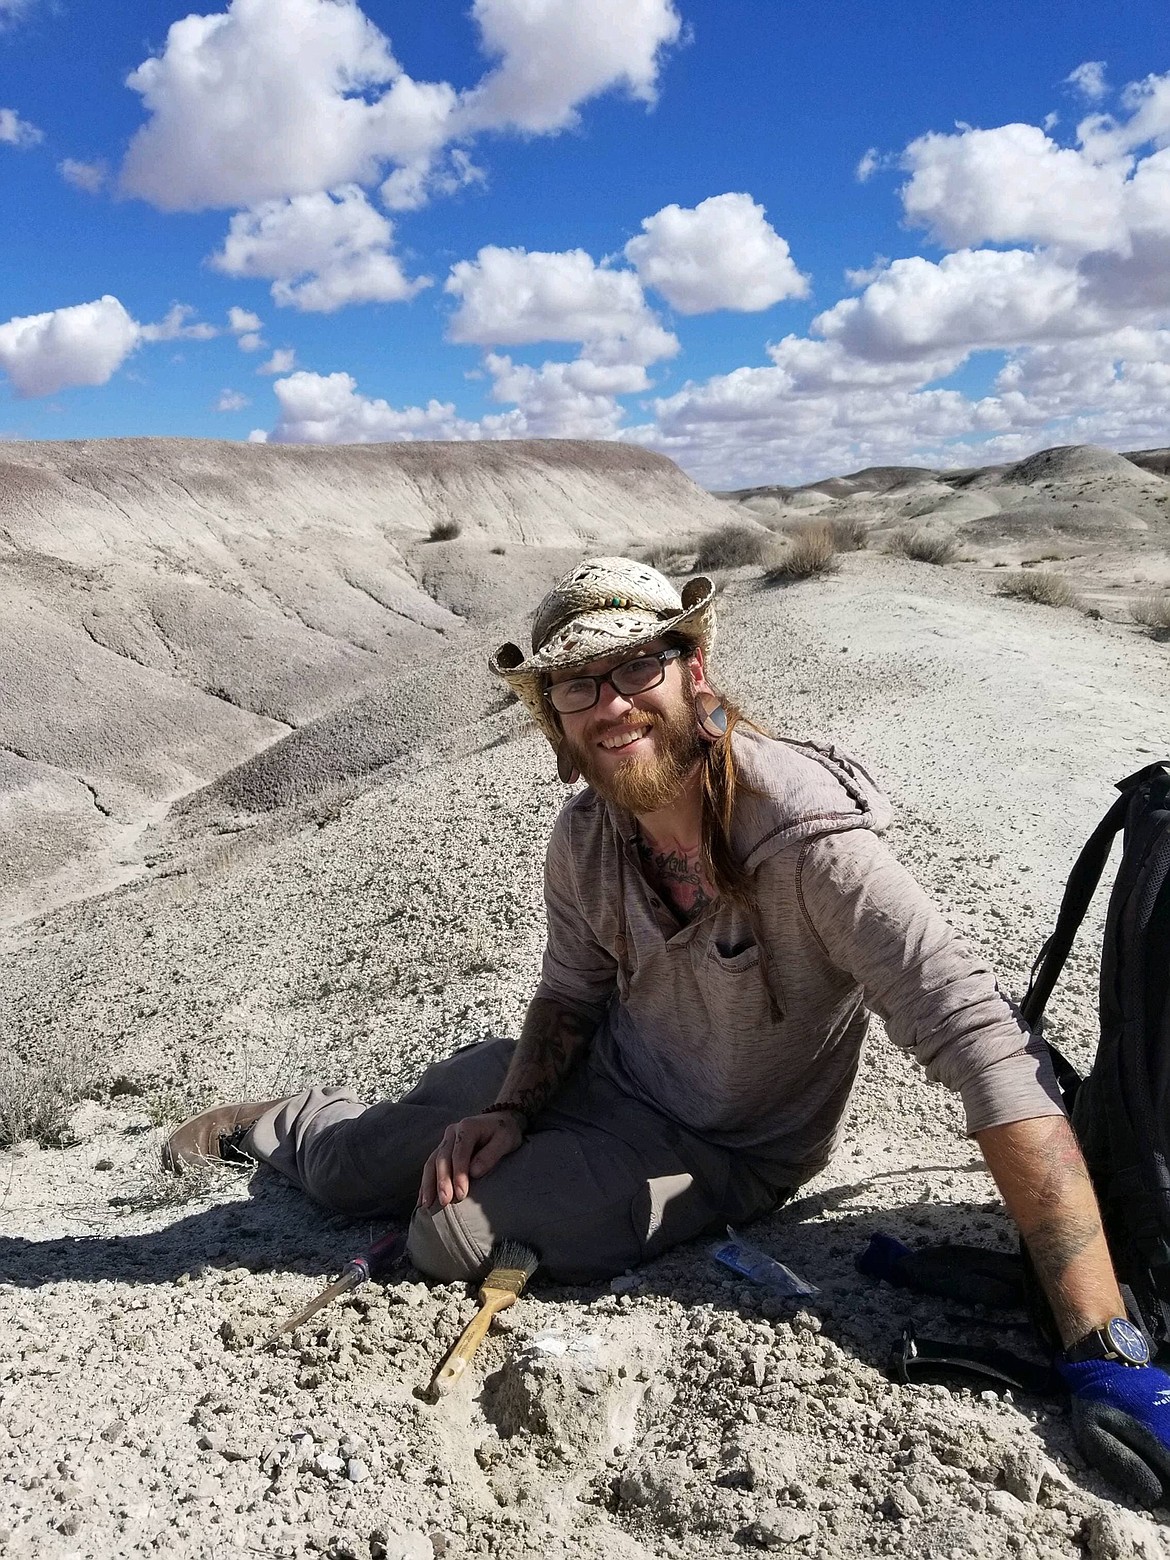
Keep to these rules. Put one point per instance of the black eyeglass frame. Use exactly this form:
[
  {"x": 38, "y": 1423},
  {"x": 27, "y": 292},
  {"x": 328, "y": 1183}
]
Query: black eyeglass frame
[{"x": 672, "y": 653}]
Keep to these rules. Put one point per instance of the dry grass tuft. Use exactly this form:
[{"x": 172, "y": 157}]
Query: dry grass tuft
[
  {"x": 1152, "y": 611},
  {"x": 37, "y": 1097},
  {"x": 153, "y": 1187},
  {"x": 923, "y": 546},
  {"x": 445, "y": 531},
  {"x": 731, "y": 547},
  {"x": 666, "y": 557},
  {"x": 850, "y": 534},
  {"x": 1040, "y": 585},
  {"x": 810, "y": 551}
]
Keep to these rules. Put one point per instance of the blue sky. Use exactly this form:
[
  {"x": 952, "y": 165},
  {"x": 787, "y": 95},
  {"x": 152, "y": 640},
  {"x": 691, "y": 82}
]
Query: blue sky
[{"x": 771, "y": 240}]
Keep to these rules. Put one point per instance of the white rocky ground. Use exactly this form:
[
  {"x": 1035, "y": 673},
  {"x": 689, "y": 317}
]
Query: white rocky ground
[{"x": 298, "y": 922}]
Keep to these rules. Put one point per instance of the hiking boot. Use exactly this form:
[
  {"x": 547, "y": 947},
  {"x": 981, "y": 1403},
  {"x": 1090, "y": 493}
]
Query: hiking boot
[{"x": 214, "y": 1135}]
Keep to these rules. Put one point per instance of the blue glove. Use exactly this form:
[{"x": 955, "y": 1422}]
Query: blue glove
[{"x": 1121, "y": 1420}]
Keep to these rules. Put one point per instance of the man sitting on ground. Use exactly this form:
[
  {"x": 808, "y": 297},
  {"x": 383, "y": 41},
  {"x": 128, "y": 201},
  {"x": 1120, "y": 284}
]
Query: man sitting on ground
[{"x": 721, "y": 914}]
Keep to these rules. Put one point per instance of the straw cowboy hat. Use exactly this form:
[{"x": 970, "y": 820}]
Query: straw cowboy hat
[{"x": 600, "y": 608}]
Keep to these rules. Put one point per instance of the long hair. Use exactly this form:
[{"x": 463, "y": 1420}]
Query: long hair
[{"x": 721, "y": 782}]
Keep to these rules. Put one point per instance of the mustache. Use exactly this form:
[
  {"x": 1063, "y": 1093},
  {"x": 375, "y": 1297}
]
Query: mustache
[{"x": 613, "y": 727}]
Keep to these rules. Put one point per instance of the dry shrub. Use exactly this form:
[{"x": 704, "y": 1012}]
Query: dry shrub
[
  {"x": 152, "y": 1187},
  {"x": 37, "y": 1096},
  {"x": 663, "y": 556},
  {"x": 850, "y": 534},
  {"x": 1039, "y": 585},
  {"x": 1152, "y": 611},
  {"x": 812, "y": 550},
  {"x": 445, "y": 531},
  {"x": 731, "y": 547},
  {"x": 923, "y": 546}
]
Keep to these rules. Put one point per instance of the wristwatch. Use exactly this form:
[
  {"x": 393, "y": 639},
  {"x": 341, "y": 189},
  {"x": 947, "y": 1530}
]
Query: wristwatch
[{"x": 1118, "y": 1339}]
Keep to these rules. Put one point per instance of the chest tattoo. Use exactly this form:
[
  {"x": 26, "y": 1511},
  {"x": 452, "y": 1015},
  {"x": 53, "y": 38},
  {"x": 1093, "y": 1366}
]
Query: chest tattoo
[{"x": 678, "y": 877}]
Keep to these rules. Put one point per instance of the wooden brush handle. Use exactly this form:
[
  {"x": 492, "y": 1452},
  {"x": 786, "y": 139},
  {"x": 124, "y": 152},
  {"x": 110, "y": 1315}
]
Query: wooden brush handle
[{"x": 469, "y": 1340}]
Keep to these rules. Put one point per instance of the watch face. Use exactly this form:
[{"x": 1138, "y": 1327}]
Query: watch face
[{"x": 1127, "y": 1341}]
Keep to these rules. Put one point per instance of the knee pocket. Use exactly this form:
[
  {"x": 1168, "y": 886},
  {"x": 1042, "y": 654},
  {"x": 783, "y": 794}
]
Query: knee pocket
[
  {"x": 668, "y": 1210},
  {"x": 441, "y": 1245}
]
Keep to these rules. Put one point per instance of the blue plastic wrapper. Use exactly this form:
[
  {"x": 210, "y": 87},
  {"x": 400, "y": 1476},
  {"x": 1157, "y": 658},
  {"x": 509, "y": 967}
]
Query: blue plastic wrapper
[{"x": 758, "y": 1267}]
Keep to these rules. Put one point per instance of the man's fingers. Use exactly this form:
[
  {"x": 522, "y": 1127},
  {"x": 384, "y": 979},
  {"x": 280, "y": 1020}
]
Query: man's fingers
[
  {"x": 499, "y": 1145},
  {"x": 426, "y": 1191},
  {"x": 469, "y": 1136},
  {"x": 469, "y": 1148},
  {"x": 439, "y": 1167},
  {"x": 489, "y": 1155},
  {"x": 1128, "y": 1454}
]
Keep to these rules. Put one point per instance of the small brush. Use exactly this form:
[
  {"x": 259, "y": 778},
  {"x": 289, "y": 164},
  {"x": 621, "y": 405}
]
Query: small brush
[{"x": 512, "y": 1265}]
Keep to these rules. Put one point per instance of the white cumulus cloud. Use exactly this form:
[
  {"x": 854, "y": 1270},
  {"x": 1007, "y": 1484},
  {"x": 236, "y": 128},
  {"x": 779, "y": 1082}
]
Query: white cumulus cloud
[
  {"x": 277, "y": 98},
  {"x": 561, "y": 400},
  {"x": 273, "y": 98},
  {"x": 556, "y": 54},
  {"x": 327, "y": 409},
  {"x": 177, "y": 325},
  {"x": 320, "y": 251},
  {"x": 246, "y": 327},
  {"x": 231, "y": 401},
  {"x": 282, "y": 361},
  {"x": 88, "y": 176},
  {"x": 721, "y": 254},
  {"x": 1009, "y": 185},
  {"x": 15, "y": 131},
  {"x": 1089, "y": 80},
  {"x": 83, "y": 344},
  {"x": 557, "y": 400},
  {"x": 242, "y": 322},
  {"x": 1146, "y": 121},
  {"x": 972, "y": 298},
  {"x": 513, "y": 297}
]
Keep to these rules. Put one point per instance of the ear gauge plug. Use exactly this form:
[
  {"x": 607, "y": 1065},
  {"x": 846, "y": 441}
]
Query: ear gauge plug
[
  {"x": 711, "y": 716},
  {"x": 567, "y": 771}
]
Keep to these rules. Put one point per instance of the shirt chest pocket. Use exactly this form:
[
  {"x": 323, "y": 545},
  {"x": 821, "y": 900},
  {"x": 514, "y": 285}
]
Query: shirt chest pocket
[{"x": 738, "y": 985}]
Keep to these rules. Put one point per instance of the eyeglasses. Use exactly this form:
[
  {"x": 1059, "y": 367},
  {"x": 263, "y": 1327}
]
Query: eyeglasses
[{"x": 637, "y": 676}]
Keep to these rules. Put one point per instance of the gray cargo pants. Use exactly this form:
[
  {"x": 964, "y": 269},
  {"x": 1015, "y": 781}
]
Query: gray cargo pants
[{"x": 601, "y": 1182}]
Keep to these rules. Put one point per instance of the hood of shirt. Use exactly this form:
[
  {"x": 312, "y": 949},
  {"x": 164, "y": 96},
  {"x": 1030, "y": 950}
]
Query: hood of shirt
[{"x": 793, "y": 790}]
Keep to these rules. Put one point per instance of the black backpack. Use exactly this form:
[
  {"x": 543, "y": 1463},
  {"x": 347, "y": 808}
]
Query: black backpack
[{"x": 1121, "y": 1110}]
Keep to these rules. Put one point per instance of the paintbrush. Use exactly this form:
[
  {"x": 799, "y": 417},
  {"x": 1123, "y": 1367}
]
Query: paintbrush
[{"x": 512, "y": 1265}]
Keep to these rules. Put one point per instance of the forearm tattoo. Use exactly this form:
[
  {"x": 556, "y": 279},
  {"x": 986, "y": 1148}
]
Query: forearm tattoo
[
  {"x": 552, "y": 1039},
  {"x": 1064, "y": 1221}
]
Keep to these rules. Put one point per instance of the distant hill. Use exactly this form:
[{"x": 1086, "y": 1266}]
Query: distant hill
[{"x": 170, "y": 607}]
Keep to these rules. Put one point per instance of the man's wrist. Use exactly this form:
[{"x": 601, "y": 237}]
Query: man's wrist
[
  {"x": 510, "y": 1107},
  {"x": 1116, "y": 1339}
]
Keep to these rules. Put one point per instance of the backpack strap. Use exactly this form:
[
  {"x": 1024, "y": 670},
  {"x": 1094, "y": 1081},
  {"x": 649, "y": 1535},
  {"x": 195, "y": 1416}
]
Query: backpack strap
[{"x": 1078, "y": 893}]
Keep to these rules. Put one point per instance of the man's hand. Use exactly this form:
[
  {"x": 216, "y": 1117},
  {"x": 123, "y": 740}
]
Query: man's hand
[
  {"x": 1121, "y": 1419},
  {"x": 470, "y": 1148}
]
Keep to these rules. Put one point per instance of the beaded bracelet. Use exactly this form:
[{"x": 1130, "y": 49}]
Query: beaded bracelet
[{"x": 512, "y": 1105}]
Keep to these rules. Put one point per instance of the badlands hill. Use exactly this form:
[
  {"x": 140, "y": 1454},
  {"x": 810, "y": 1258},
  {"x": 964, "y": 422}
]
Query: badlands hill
[
  {"x": 1102, "y": 518},
  {"x": 170, "y": 607},
  {"x": 350, "y": 887}
]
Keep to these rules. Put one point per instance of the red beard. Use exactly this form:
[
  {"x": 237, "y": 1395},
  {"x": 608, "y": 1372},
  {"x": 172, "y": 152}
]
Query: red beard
[{"x": 644, "y": 784}]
